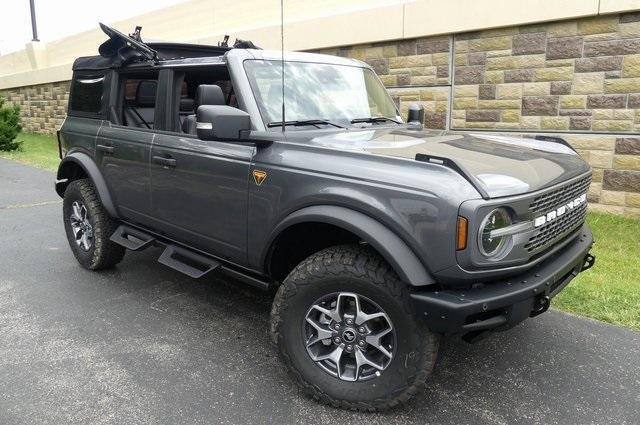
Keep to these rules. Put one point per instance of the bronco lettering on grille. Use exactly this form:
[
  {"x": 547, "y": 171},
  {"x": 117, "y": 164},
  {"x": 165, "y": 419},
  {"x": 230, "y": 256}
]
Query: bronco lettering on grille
[{"x": 552, "y": 215}]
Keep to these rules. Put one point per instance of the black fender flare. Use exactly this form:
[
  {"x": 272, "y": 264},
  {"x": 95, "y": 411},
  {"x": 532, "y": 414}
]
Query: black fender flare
[
  {"x": 90, "y": 168},
  {"x": 393, "y": 249}
]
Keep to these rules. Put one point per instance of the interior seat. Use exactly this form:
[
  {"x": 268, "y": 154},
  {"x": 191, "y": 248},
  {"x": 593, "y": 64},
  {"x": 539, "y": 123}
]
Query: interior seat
[
  {"x": 186, "y": 109},
  {"x": 141, "y": 112},
  {"x": 206, "y": 94}
]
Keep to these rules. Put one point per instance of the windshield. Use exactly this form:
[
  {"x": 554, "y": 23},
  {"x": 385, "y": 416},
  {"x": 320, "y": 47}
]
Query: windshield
[{"x": 316, "y": 91}]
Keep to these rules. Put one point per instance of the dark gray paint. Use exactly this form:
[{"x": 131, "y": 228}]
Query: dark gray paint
[
  {"x": 401, "y": 195},
  {"x": 210, "y": 202},
  {"x": 366, "y": 228},
  {"x": 202, "y": 201},
  {"x": 145, "y": 344},
  {"x": 79, "y": 135},
  {"x": 226, "y": 122},
  {"x": 85, "y": 162},
  {"x": 126, "y": 168}
]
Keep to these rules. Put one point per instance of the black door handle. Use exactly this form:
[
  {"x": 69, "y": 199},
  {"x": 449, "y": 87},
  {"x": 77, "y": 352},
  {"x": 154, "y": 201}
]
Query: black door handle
[
  {"x": 106, "y": 148},
  {"x": 167, "y": 162}
]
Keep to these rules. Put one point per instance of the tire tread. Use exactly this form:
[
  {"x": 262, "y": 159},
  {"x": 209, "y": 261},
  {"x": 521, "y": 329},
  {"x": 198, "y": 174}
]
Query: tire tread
[
  {"x": 106, "y": 254},
  {"x": 362, "y": 262}
]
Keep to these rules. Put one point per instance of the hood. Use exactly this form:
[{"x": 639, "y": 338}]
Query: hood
[{"x": 500, "y": 165}]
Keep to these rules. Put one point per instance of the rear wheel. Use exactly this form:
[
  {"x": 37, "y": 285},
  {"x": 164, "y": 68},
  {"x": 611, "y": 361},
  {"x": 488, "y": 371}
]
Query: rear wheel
[
  {"x": 343, "y": 324},
  {"x": 89, "y": 227}
]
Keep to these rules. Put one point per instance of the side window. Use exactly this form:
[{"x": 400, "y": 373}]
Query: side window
[
  {"x": 187, "y": 99},
  {"x": 138, "y": 100},
  {"x": 87, "y": 95}
]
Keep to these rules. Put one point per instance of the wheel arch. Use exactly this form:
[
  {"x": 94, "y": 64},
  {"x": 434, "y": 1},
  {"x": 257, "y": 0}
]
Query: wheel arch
[
  {"x": 79, "y": 165},
  {"x": 393, "y": 249}
]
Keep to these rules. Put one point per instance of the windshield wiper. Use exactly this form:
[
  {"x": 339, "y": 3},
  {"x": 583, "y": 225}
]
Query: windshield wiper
[
  {"x": 303, "y": 122},
  {"x": 374, "y": 119}
]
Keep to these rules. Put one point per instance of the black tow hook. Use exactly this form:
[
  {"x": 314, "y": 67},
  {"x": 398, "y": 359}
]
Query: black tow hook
[
  {"x": 542, "y": 305},
  {"x": 589, "y": 261}
]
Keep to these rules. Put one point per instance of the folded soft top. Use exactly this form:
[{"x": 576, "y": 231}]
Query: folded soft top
[{"x": 121, "y": 50}]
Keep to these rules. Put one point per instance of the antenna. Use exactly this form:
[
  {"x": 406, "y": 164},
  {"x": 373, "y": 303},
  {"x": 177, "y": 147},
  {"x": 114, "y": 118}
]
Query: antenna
[{"x": 282, "y": 55}]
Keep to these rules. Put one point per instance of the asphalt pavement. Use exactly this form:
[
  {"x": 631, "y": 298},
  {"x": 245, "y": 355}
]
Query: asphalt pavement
[{"x": 144, "y": 344}]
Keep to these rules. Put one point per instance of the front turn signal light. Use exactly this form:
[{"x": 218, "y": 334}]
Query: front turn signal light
[{"x": 461, "y": 238}]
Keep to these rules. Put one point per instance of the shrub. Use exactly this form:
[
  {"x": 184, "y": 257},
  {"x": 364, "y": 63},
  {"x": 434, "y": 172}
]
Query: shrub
[{"x": 9, "y": 126}]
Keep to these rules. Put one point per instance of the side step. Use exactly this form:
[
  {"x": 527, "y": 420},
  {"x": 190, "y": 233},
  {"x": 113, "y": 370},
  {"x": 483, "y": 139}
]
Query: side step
[
  {"x": 187, "y": 262},
  {"x": 131, "y": 238}
]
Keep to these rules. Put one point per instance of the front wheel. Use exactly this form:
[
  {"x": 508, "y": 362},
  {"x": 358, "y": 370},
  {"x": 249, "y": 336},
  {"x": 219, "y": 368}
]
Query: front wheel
[{"x": 344, "y": 326}]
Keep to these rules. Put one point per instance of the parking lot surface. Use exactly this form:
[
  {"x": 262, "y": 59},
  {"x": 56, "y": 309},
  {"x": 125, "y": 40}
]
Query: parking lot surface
[{"x": 144, "y": 344}]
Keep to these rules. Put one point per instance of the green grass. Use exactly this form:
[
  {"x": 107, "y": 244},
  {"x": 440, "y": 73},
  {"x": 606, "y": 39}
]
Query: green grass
[
  {"x": 37, "y": 149},
  {"x": 610, "y": 291}
]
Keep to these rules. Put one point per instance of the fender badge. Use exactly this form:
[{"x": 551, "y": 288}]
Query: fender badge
[{"x": 259, "y": 176}]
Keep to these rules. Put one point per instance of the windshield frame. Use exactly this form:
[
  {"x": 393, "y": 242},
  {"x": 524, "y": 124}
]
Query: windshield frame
[{"x": 265, "y": 121}]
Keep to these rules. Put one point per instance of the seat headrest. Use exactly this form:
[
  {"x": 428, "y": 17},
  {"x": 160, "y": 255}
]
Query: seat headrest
[
  {"x": 186, "y": 105},
  {"x": 146, "y": 93},
  {"x": 209, "y": 94}
]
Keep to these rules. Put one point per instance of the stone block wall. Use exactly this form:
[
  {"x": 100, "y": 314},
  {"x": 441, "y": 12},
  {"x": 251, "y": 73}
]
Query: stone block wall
[
  {"x": 42, "y": 107},
  {"x": 615, "y": 160},
  {"x": 414, "y": 71},
  {"x": 577, "y": 79},
  {"x": 415, "y": 62},
  {"x": 581, "y": 75},
  {"x": 435, "y": 101}
]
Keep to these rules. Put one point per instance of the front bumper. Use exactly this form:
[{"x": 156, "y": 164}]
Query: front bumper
[{"x": 502, "y": 304}]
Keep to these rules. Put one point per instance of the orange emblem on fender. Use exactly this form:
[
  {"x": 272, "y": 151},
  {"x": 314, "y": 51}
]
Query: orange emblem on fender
[{"x": 259, "y": 176}]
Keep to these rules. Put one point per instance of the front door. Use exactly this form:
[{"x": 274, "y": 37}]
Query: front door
[
  {"x": 199, "y": 193},
  {"x": 123, "y": 156}
]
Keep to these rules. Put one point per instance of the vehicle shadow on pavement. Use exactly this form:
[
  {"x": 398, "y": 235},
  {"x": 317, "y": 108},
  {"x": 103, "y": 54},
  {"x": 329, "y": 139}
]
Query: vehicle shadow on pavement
[
  {"x": 144, "y": 344},
  {"x": 540, "y": 371}
]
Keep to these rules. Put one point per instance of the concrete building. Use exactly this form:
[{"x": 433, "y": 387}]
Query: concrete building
[{"x": 569, "y": 68}]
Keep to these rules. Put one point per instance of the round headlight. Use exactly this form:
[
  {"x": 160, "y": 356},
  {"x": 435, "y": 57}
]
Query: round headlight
[{"x": 492, "y": 245}]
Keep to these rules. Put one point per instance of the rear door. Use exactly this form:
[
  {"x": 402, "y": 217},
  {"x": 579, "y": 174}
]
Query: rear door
[
  {"x": 123, "y": 146},
  {"x": 123, "y": 156}
]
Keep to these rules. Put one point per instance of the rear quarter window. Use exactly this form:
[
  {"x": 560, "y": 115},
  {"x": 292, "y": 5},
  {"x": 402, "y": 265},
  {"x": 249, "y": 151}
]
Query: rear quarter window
[{"x": 87, "y": 97}]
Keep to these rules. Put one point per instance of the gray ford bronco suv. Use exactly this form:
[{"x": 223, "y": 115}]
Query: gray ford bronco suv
[{"x": 379, "y": 236}]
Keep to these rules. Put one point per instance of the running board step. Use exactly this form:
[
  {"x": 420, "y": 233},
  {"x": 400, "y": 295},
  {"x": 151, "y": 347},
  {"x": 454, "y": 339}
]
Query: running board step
[
  {"x": 187, "y": 262},
  {"x": 131, "y": 238}
]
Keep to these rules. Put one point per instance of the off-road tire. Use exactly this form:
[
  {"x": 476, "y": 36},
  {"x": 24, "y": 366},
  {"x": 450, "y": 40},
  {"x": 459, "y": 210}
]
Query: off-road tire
[
  {"x": 103, "y": 253},
  {"x": 357, "y": 269}
]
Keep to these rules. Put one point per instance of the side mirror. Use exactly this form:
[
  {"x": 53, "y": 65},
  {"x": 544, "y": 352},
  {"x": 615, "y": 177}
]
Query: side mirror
[
  {"x": 416, "y": 115},
  {"x": 221, "y": 122}
]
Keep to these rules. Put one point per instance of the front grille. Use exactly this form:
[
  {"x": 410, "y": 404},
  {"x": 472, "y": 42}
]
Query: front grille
[
  {"x": 560, "y": 196},
  {"x": 553, "y": 231},
  {"x": 558, "y": 228}
]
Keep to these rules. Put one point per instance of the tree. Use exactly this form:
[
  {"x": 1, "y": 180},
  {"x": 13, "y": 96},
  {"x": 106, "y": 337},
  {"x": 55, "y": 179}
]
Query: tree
[{"x": 9, "y": 126}]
